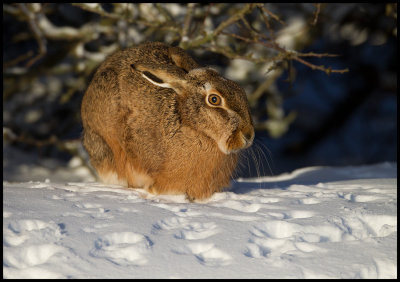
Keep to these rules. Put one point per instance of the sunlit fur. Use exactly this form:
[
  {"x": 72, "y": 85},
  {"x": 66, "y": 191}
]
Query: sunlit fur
[{"x": 147, "y": 123}]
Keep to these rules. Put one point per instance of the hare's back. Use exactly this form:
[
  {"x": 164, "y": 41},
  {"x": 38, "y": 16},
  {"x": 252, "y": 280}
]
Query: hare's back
[{"x": 151, "y": 52}]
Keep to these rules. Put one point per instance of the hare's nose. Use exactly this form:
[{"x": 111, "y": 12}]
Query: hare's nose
[{"x": 248, "y": 134}]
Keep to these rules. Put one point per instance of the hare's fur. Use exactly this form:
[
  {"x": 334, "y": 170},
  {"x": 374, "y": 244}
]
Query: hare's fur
[{"x": 149, "y": 122}]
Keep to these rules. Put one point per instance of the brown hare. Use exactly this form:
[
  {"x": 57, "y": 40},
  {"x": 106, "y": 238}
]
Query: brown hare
[{"x": 154, "y": 119}]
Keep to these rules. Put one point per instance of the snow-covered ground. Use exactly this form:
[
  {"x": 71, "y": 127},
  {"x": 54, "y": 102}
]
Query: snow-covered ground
[{"x": 316, "y": 222}]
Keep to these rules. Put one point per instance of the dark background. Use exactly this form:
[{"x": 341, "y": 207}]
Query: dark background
[{"x": 341, "y": 119}]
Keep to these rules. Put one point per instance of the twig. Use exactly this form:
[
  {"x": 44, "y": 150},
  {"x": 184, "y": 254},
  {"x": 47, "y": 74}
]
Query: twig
[
  {"x": 226, "y": 51},
  {"x": 235, "y": 17},
  {"x": 290, "y": 55},
  {"x": 328, "y": 70},
  {"x": 70, "y": 146},
  {"x": 96, "y": 8},
  {"x": 40, "y": 39},
  {"x": 165, "y": 13},
  {"x": 266, "y": 21},
  {"x": 52, "y": 140},
  {"x": 186, "y": 24},
  {"x": 206, "y": 15},
  {"x": 253, "y": 97},
  {"x": 312, "y": 54},
  {"x": 270, "y": 44},
  {"x": 254, "y": 33},
  {"x": 272, "y": 15},
  {"x": 316, "y": 14},
  {"x": 20, "y": 58}
]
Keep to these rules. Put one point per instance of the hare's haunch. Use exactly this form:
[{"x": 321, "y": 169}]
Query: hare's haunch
[{"x": 154, "y": 119}]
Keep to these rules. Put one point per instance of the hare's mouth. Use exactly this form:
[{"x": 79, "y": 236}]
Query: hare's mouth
[{"x": 239, "y": 140}]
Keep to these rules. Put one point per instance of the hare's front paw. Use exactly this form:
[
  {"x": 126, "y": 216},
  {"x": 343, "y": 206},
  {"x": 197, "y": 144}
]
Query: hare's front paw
[
  {"x": 190, "y": 198},
  {"x": 198, "y": 196},
  {"x": 153, "y": 190}
]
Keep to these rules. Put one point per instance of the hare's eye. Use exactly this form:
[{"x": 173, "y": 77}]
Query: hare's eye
[{"x": 214, "y": 100}]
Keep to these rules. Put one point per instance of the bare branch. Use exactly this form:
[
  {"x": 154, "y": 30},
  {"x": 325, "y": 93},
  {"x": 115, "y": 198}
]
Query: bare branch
[
  {"x": 186, "y": 24},
  {"x": 291, "y": 55},
  {"x": 328, "y": 70},
  {"x": 253, "y": 98},
  {"x": 316, "y": 14},
  {"x": 96, "y": 8},
  {"x": 211, "y": 27},
  {"x": 272, "y": 15},
  {"x": 69, "y": 146},
  {"x": 38, "y": 34},
  {"x": 20, "y": 58},
  {"x": 235, "y": 17},
  {"x": 266, "y": 21}
]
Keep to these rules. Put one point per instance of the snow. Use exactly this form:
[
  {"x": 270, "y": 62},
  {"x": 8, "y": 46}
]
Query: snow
[{"x": 316, "y": 222}]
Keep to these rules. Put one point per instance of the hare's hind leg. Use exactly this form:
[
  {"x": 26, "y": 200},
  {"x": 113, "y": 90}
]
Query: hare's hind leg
[{"x": 101, "y": 158}]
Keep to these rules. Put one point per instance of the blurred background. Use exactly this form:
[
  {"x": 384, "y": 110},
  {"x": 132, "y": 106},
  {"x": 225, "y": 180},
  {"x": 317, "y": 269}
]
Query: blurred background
[{"x": 321, "y": 79}]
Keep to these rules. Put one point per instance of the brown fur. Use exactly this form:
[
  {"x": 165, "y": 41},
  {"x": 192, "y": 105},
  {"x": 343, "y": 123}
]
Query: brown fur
[{"x": 147, "y": 121}]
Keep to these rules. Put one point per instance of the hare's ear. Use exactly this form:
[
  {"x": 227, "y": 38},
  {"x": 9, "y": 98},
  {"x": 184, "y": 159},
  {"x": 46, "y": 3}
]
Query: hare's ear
[
  {"x": 182, "y": 59},
  {"x": 165, "y": 76}
]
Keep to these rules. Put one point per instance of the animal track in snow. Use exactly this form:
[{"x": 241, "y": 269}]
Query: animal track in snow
[
  {"x": 96, "y": 227},
  {"x": 20, "y": 231},
  {"x": 33, "y": 255},
  {"x": 274, "y": 238},
  {"x": 94, "y": 210},
  {"x": 122, "y": 248},
  {"x": 206, "y": 253},
  {"x": 170, "y": 223},
  {"x": 289, "y": 214},
  {"x": 243, "y": 206},
  {"x": 10, "y": 239},
  {"x": 33, "y": 272},
  {"x": 197, "y": 230},
  {"x": 309, "y": 201},
  {"x": 339, "y": 229},
  {"x": 29, "y": 244},
  {"x": 233, "y": 217},
  {"x": 363, "y": 225},
  {"x": 298, "y": 214},
  {"x": 358, "y": 198},
  {"x": 27, "y": 225},
  {"x": 186, "y": 230},
  {"x": 381, "y": 225},
  {"x": 269, "y": 200},
  {"x": 279, "y": 229}
]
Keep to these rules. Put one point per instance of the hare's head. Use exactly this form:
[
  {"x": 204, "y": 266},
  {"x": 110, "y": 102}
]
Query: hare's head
[{"x": 207, "y": 102}]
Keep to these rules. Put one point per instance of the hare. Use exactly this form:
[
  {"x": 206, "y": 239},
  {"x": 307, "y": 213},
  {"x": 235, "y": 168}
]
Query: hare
[{"x": 154, "y": 119}]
